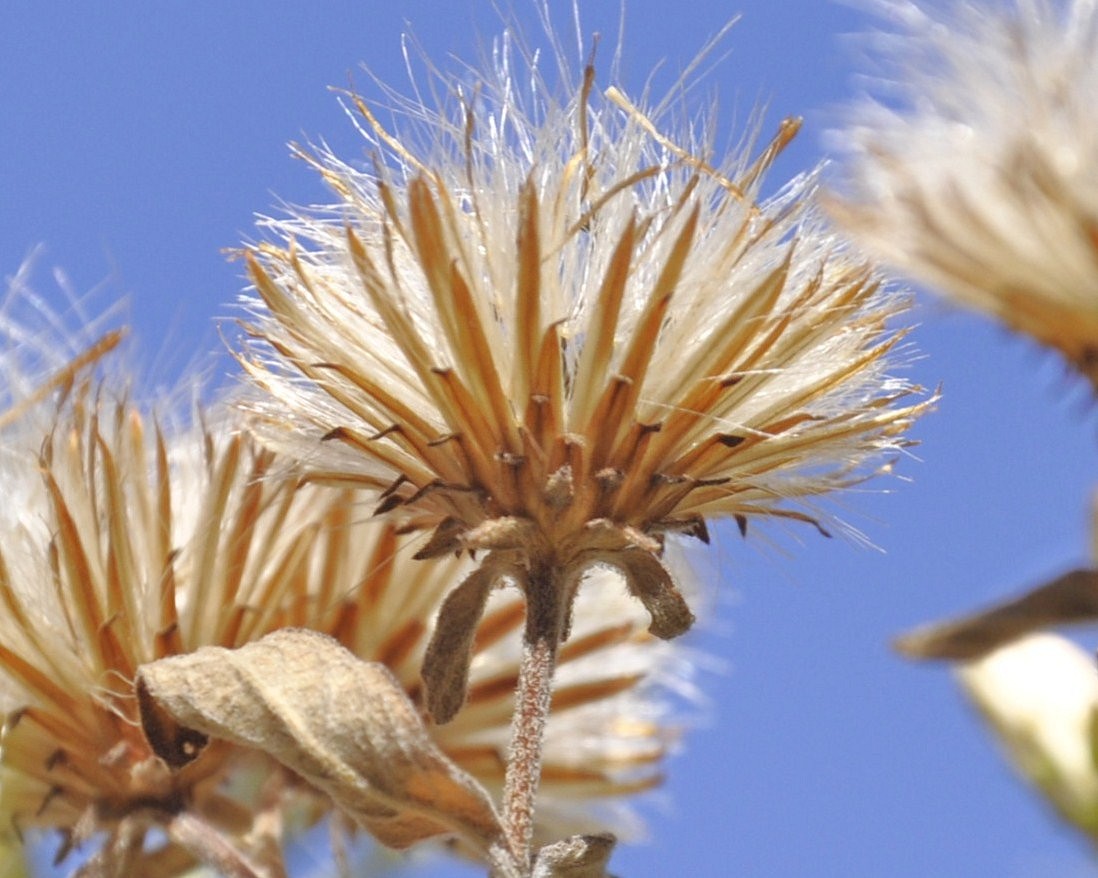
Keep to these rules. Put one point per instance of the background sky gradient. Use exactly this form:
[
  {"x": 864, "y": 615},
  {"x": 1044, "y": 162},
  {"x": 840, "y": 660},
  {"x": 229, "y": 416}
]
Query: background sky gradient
[{"x": 139, "y": 139}]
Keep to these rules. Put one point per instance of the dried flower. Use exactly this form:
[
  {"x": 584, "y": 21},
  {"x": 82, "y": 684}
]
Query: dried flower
[
  {"x": 123, "y": 553},
  {"x": 40, "y": 358},
  {"x": 975, "y": 172},
  {"x": 1040, "y": 694},
  {"x": 133, "y": 546},
  {"x": 549, "y": 332},
  {"x": 554, "y": 334}
]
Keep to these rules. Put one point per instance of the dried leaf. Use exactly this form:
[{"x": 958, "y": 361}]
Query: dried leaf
[
  {"x": 1070, "y": 598},
  {"x": 648, "y": 580},
  {"x": 342, "y": 724},
  {"x": 445, "y": 669},
  {"x": 581, "y": 856}
]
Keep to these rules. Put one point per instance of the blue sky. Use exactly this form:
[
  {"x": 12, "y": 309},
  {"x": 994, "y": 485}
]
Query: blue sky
[{"x": 138, "y": 142}]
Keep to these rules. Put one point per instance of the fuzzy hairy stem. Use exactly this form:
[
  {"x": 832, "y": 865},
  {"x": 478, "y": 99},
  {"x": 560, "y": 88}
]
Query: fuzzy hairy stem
[{"x": 545, "y": 619}]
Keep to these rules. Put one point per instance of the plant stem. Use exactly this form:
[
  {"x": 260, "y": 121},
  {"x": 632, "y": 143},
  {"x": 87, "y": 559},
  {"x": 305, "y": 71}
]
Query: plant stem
[
  {"x": 545, "y": 608},
  {"x": 210, "y": 847}
]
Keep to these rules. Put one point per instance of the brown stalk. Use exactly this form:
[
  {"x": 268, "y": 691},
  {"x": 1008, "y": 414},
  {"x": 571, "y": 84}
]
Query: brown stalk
[
  {"x": 209, "y": 846},
  {"x": 546, "y": 613}
]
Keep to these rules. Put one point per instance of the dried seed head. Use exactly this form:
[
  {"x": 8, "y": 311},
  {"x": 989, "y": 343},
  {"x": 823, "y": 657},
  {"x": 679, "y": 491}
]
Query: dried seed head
[
  {"x": 101, "y": 571},
  {"x": 557, "y": 332},
  {"x": 975, "y": 173}
]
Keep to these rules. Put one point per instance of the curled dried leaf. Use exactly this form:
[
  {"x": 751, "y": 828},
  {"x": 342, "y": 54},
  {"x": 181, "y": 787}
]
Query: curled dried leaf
[
  {"x": 649, "y": 581},
  {"x": 1068, "y": 599},
  {"x": 342, "y": 724},
  {"x": 445, "y": 669}
]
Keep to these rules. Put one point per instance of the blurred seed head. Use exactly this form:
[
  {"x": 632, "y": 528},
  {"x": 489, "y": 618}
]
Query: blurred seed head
[{"x": 972, "y": 168}]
